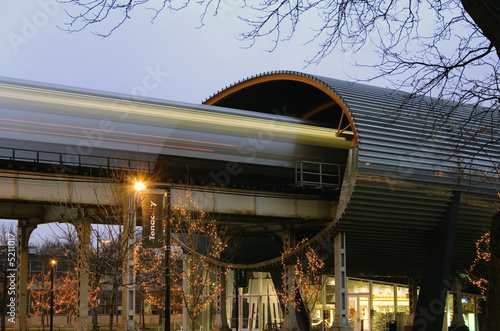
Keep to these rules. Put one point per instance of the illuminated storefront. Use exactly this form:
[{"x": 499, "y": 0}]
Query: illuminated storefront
[
  {"x": 375, "y": 305},
  {"x": 372, "y": 305}
]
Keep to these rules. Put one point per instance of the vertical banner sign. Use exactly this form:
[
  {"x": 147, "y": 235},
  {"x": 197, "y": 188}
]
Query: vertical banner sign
[{"x": 152, "y": 220}]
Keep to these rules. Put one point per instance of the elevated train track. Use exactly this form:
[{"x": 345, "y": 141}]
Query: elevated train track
[
  {"x": 63, "y": 127},
  {"x": 62, "y": 147}
]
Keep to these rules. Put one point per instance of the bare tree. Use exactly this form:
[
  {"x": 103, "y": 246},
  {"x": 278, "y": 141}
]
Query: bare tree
[
  {"x": 62, "y": 249},
  {"x": 108, "y": 243},
  {"x": 493, "y": 294},
  {"x": 151, "y": 277},
  {"x": 198, "y": 239},
  {"x": 474, "y": 274},
  {"x": 431, "y": 46},
  {"x": 307, "y": 281}
]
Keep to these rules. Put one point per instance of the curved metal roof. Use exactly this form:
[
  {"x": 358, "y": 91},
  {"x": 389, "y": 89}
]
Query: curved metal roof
[{"x": 408, "y": 155}]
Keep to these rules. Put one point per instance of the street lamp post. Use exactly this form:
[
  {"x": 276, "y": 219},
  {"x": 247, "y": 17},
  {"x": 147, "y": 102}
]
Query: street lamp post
[
  {"x": 52, "y": 263},
  {"x": 140, "y": 187},
  {"x": 167, "y": 263},
  {"x": 95, "y": 322}
]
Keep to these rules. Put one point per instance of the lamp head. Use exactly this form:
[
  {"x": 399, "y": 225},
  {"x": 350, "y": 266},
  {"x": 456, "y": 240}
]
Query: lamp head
[{"x": 139, "y": 186}]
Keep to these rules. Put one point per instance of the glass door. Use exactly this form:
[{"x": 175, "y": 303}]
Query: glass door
[{"x": 359, "y": 312}]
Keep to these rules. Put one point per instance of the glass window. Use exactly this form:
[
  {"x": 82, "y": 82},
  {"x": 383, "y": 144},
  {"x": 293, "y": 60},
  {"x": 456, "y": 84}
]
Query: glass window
[
  {"x": 468, "y": 309},
  {"x": 357, "y": 286},
  {"x": 325, "y": 311},
  {"x": 403, "y": 308},
  {"x": 329, "y": 289},
  {"x": 382, "y": 305}
]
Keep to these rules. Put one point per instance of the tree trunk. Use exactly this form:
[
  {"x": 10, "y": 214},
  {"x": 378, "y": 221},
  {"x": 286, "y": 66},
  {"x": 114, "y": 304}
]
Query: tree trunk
[
  {"x": 486, "y": 14},
  {"x": 193, "y": 328},
  {"x": 111, "y": 311},
  {"x": 143, "y": 315},
  {"x": 493, "y": 299},
  {"x": 94, "y": 318},
  {"x": 160, "y": 318}
]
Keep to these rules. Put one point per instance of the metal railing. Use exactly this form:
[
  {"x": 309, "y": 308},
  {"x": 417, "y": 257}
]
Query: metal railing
[
  {"x": 74, "y": 160},
  {"x": 318, "y": 175}
]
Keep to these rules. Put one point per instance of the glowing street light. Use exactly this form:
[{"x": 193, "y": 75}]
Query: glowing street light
[{"x": 139, "y": 186}]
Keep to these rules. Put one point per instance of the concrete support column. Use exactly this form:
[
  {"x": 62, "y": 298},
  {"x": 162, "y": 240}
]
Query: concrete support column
[
  {"x": 431, "y": 302},
  {"x": 457, "y": 322},
  {"x": 82, "y": 314},
  {"x": 341, "y": 321},
  {"x": 128, "y": 277},
  {"x": 24, "y": 229},
  {"x": 288, "y": 279},
  {"x": 185, "y": 320},
  {"x": 221, "y": 312},
  {"x": 412, "y": 303},
  {"x": 289, "y": 315}
]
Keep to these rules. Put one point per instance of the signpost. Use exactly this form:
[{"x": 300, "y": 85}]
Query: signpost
[{"x": 152, "y": 220}]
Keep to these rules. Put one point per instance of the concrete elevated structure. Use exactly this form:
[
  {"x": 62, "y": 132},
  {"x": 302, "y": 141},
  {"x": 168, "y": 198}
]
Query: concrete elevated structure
[{"x": 395, "y": 187}]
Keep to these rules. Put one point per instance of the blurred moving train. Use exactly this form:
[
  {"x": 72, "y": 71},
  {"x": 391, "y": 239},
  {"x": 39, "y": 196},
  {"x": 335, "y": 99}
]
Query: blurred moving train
[{"x": 76, "y": 129}]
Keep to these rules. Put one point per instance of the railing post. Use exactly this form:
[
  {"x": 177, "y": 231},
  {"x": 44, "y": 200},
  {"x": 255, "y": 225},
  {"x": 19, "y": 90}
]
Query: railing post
[
  {"x": 301, "y": 172},
  {"x": 320, "y": 175},
  {"x": 296, "y": 162}
]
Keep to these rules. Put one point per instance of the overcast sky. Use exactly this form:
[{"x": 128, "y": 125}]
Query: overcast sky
[{"x": 189, "y": 63}]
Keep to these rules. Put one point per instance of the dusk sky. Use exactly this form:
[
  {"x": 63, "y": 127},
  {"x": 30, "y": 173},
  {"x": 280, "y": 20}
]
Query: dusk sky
[{"x": 189, "y": 63}]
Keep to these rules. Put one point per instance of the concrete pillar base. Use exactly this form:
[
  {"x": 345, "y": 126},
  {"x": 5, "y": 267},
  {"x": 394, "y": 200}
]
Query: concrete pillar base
[
  {"x": 127, "y": 326},
  {"x": 21, "y": 325},
  {"x": 81, "y": 324}
]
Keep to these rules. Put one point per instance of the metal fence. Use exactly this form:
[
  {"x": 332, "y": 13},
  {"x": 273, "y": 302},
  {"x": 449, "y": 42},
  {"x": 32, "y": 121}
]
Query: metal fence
[
  {"x": 318, "y": 175},
  {"x": 74, "y": 160}
]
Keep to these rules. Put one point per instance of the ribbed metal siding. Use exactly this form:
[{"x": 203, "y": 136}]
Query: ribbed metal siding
[
  {"x": 408, "y": 165},
  {"x": 411, "y": 156},
  {"x": 401, "y": 143}
]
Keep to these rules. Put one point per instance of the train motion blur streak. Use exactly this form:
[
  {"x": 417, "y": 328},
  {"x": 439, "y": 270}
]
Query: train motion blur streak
[
  {"x": 50, "y": 129},
  {"x": 54, "y": 120}
]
